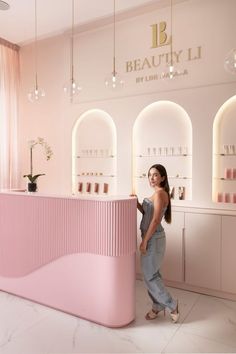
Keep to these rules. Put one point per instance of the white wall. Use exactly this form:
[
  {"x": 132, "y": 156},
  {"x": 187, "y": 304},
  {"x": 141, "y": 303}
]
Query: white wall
[{"x": 206, "y": 23}]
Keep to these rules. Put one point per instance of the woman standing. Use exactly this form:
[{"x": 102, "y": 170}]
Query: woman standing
[{"x": 153, "y": 243}]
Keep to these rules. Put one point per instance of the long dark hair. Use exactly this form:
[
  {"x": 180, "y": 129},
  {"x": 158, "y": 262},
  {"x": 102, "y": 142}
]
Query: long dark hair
[{"x": 165, "y": 185}]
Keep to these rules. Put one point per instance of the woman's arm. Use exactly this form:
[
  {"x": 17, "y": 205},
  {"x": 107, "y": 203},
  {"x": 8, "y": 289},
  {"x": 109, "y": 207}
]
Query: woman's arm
[
  {"x": 139, "y": 206},
  {"x": 158, "y": 204}
]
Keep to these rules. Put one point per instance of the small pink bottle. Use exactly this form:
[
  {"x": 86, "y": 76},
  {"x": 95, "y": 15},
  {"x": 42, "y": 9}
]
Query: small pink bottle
[
  {"x": 227, "y": 198},
  {"x": 234, "y": 173},
  {"x": 80, "y": 187},
  {"x": 234, "y": 197},
  {"x": 88, "y": 187},
  {"x": 105, "y": 188},
  {"x": 96, "y": 187},
  {"x": 219, "y": 197},
  {"x": 228, "y": 173}
]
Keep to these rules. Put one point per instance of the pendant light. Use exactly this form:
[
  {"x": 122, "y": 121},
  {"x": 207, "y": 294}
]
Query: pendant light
[
  {"x": 114, "y": 81},
  {"x": 230, "y": 62},
  {"x": 37, "y": 93},
  {"x": 170, "y": 74},
  {"x": 4, "y": 5},
  {"x": 72, "y": 88}
]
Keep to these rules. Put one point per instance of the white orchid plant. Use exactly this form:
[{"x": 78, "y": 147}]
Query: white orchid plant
[{"x": 48, "y": 153}]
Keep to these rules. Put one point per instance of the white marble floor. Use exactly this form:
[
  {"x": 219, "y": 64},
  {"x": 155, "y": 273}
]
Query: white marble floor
[{"x": 207, "y": 325}]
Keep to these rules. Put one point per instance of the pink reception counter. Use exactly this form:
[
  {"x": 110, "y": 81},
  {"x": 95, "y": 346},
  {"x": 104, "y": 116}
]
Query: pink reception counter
[{"x": 69, "y": 253}]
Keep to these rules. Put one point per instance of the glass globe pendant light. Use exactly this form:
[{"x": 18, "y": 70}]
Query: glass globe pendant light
[
  {"x": 114, "y": 81},
  {"x": 4, "y": 5},
  {"x": 72, "y": 88},
  {"x": 230, "y": 62},
  {"x": 36, "y": 93}
]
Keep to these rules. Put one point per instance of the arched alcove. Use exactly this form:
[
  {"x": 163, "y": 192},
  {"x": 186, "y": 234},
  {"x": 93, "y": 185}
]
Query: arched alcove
[
  {"x": 224, "y": 153},
  {"x": 162, "y": 134},
  {"x": 94, "y": 154}
]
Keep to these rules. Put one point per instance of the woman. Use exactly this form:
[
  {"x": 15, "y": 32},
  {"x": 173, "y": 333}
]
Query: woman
[{"x": 153, "y": 243}]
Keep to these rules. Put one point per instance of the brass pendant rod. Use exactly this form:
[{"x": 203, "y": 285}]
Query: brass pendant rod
[
  {"x": 114, "y": 37},
  {"x": 171, "y": 34},
  {"x": 36, "y": 44},
  {"x": 72, "y": 39}
]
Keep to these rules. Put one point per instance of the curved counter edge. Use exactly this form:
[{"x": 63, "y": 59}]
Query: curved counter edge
[{"x": 97, "y": 288}]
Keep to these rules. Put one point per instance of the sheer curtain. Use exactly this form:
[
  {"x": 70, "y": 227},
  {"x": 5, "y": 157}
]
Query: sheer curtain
[{"x": 9, "y": 92}]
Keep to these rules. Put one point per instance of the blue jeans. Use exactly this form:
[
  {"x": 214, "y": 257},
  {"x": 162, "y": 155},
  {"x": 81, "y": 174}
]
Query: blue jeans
[{"x": 151, "y": 263}]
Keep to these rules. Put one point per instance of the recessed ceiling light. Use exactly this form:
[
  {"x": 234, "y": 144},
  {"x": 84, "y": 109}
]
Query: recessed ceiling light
[{"x": 4, "y": 5}]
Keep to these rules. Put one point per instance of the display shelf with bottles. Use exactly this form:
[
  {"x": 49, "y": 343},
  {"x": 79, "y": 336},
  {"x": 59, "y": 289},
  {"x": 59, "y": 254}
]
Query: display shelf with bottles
[
  {"x": 159, "y": 122},
  {"x": 224, "y": 154},
  {"x": 94, "y": 155},
  {"x": 179, "y": 176},
  {"x": 224, "y": 179},
  {"x": 165, "y": 152},
  {"x": 94, "y": 174}
]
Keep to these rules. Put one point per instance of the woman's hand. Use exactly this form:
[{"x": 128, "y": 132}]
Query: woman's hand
[
  {"x": 143, "y": 247},
  {"x": 139, "y": 206}
]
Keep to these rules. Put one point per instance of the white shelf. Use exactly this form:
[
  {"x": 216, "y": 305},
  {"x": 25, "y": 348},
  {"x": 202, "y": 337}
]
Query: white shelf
[
  {"x": 226, "y": 179},
  {"x": 96, "y": 176},
  {"x": 95, "y": 157},
  {"x": 225, "y": 155},
  {"x": 169, "y": 177},
  {"x": 164, "y": 156}
]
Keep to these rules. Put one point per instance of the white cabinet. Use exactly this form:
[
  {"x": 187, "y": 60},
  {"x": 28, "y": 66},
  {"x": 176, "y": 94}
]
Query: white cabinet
[
  {"x": 203, "y": 250},
  {"x": 228, "y": 277},
  {"x": 172, "y": 268}
]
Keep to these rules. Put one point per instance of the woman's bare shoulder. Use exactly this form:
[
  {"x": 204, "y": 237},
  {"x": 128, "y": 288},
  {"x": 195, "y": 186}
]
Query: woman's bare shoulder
[{"x": 161, "y": 195}]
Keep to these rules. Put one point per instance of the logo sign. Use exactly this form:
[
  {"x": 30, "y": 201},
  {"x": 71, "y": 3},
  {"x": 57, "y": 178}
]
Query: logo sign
[{"x": 161, "y": 43}]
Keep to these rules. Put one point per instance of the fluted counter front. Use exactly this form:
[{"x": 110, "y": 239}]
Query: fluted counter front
[{"x": 73, "y": 254}]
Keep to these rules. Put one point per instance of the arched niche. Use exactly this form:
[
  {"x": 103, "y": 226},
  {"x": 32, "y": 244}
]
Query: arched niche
[
  {"x": 224, "y": 153},
  {"x": 94, "y": 154},
  {"x": 162, "y": 134}
]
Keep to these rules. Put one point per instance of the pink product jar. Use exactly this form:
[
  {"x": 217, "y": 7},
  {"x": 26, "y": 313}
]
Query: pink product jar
[
  {"x": 228, "y": 173},
  {"x": 227, "y": 197},
  {"x": 219, "y": 197},
  {"x": 234, "y": 173},
  {"x": 234, "y": 197}
]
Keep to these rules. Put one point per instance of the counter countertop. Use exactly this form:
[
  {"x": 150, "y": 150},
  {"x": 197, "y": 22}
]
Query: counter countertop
[
  {"x": 187, "y": 207},
  {"x": 64, "y": 196}
]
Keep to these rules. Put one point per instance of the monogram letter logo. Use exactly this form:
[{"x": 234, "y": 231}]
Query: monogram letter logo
[{"x": 159, "y": 36}]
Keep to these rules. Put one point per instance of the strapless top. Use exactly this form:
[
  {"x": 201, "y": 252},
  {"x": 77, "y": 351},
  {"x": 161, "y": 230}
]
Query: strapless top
[{"x": 148, "y": 209}]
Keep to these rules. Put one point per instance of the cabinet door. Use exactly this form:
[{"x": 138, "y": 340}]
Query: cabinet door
[
  {"x": 172, "y": 268},
  {"x": 228, "y": 278},
  {"x": 202, "y": 250}
]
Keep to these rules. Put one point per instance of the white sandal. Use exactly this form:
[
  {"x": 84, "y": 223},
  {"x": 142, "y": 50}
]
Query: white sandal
[
  {"x": 152, "y": 314},
  {"x": 175, "y": 316}
]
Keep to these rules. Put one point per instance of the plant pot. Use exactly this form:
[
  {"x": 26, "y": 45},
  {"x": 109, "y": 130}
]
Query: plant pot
[{"x": 32, "y": 187}]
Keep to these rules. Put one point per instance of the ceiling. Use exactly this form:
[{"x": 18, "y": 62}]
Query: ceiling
[{"x": 54, "y": 16}]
